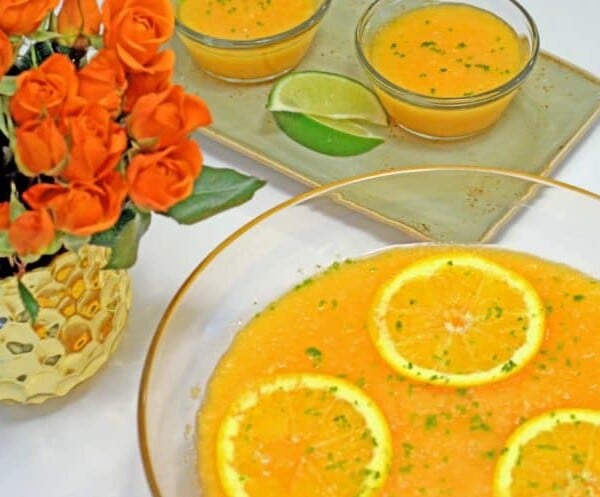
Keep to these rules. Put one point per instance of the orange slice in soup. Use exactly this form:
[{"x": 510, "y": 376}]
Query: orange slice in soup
[
  {"x": 458, "y": 320},
  {"x": 291, "y": 434},
  {"x": 556, "y": 454}
]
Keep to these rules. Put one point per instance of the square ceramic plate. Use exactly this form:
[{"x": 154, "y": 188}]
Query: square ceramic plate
[{"x": 556, "y": 106}]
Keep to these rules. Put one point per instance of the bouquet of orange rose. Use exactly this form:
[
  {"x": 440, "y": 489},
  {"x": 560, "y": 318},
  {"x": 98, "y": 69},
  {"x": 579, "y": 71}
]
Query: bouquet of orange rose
[{"x": 94, "y": 137}]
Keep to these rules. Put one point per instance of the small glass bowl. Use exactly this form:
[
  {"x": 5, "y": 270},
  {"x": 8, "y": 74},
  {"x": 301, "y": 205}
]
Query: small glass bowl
[
  {"x": 254, "y": 60},
  {"x": 445, "y": 117}
]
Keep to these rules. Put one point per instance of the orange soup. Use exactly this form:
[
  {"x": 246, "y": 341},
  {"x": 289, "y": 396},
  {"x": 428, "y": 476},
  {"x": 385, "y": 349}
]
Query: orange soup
[
  {"x": 445, "y": 440},
  {"x": 448, "y": 50},
  {"x": 244, "y": 19}
]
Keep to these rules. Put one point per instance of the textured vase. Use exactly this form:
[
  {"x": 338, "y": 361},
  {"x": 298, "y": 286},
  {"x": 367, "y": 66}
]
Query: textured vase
[{"x": 83, "y": 311}]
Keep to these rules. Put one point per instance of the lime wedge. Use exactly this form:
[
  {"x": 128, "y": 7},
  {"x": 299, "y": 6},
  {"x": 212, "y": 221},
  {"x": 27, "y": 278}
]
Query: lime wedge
[
  {"x": 324, "y": 94},
  {"x": 327, "y": 136}
]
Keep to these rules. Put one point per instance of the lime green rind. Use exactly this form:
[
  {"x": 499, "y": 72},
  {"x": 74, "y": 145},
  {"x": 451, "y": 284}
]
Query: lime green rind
[
  {"x": 327, "y": 95},
  {"x": 326, "y": 136}
]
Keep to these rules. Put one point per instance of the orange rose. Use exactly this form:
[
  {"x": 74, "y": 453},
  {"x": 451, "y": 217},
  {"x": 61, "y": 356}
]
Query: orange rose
[
  {"x": 81, "y": 209},
  {"x": 19, "y": 17},
  {"x": 6, "y": 54},
  {"x": 31, "y": 232},
  {"x": 97, "y": 144},
  {"x": 79, "y": 17},
  {"x": 155, "y": 77},
  {"x": 49, "y": 89},
  {"x": 103, "y": 81},
  {"x": 41, "y": 148},
  {"x": 159, "y": 180},
  {"x": 161, "y": 119},
  {"x": 4, "y": 215},
  {"x": 137, "y": 28}
]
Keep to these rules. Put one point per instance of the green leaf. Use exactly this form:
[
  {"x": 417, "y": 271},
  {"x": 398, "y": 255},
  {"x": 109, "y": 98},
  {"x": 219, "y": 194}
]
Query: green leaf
[
  {"x": 8, "y": 85},
  {"x": 23, "y": 62},
  {"x": 215, "y": 190},
  {"x": 74, "y": 243},
  {"x": 96, "y": 41},
  {"x": 6, "y": 249},
  {"x": 41, "y": 51},
  {"x": 124, "y": 238},
  {"x": 43, "y": 35},
  {"x": 31, "y": 305},
  {"x": 16, "y": 206}
]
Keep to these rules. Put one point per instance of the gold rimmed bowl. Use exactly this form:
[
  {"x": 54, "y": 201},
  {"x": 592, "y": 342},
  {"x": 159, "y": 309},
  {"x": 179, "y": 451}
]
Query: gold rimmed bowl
[{"x": 346, "y": 219}]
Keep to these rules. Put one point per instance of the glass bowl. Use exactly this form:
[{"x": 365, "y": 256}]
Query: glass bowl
[
  {"x": 252, "y": 60},
  {"x": 445, "y": 117},
  {"x": 347, "y": 219}
]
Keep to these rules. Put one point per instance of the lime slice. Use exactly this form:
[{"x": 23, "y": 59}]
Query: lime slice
[
  {"x": 327, "y": 95},
  {"x": 327, "y": 136}
]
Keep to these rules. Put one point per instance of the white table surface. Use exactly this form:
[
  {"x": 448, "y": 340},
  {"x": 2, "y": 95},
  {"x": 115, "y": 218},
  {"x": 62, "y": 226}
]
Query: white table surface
[{"x": 86, "y": 444}]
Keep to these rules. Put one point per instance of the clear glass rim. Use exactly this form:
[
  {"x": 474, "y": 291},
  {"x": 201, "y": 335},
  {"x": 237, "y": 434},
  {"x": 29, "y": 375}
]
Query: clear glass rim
[
  {"x": 447, "y": 102},
  {"x": 223, "y": 43},
  {"x": 162, "y": 326}
]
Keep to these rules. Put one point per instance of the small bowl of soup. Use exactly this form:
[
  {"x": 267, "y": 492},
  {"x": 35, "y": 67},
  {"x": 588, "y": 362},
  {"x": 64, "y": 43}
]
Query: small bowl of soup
[
  {"x": 385, "y": 335},
  {"x": 248, "y": 41},
  {"x": 446, "y": 69}
]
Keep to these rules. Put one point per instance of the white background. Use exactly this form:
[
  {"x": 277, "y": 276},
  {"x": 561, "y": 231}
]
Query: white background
[{"x": 86, "y": 444}]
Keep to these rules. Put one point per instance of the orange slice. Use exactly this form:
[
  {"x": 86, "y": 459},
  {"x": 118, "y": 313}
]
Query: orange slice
[
  {"x": 303, "y": 434},
  {"x": 457, "y": 319},
  {"x": 556, "y": 454}
]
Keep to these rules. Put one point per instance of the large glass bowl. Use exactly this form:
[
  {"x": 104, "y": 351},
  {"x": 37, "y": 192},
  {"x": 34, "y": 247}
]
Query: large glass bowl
[{"x": 348, "y": 219}]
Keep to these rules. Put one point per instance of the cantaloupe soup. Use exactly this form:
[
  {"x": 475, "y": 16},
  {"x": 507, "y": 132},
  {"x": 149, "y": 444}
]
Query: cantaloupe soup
[
  {"x": 241, "y": 40},
  {"x": 446, "y": 440},
  {"x": 446, "y": 51}
]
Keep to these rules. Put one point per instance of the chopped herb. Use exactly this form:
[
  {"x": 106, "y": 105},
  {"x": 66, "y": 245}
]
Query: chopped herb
[
  {"x": 430, "y": 421},
  {"x": 478, "y": 424},
  {"x": 315, "y": 355},
  {"x": 509, "y": 366},
  {"x": 547, "y": 447},
  {"x": 490, "y": 454},
  {"x": 407, "y": 449}
]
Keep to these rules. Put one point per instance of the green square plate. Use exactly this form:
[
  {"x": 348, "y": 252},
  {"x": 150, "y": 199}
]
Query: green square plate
[{"x": 558, "y": 103}]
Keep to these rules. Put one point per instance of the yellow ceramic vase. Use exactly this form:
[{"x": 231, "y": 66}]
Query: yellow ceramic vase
[{"x": 83, "y": 310}]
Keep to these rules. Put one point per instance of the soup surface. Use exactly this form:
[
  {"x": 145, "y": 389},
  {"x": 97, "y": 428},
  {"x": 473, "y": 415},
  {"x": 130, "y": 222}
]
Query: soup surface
[
  {"x": 244, "y": 19},
  {"x": 445, "y": 440},
  {"x": 447, "y": 50}
]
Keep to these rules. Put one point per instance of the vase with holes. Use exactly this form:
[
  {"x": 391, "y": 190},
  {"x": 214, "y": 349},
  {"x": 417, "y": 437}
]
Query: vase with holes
[{"x": 82, "y": 313}]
